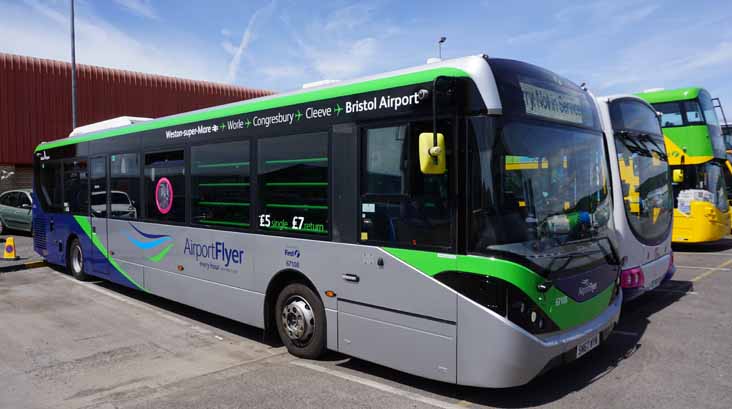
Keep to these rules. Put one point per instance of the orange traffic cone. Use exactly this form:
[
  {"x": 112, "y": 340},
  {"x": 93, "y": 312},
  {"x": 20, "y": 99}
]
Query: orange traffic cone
[{"x": 9, "y": 250}]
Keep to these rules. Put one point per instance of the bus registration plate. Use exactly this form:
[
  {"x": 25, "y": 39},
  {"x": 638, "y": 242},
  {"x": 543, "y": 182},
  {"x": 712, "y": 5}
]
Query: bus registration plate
[{"x": 588, "y": 345}]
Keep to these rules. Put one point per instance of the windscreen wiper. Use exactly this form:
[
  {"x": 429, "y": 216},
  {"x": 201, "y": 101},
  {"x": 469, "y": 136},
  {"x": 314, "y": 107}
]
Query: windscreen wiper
[{"x": 627, "y": 137}]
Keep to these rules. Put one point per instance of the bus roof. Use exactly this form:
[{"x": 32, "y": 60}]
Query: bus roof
[
  {"x": 670, "y": 95},
  {"x": 474, "y": 67}
]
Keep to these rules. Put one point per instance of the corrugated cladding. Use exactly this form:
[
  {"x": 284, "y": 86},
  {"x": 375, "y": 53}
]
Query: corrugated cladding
[{"x": 35, "y": 99}]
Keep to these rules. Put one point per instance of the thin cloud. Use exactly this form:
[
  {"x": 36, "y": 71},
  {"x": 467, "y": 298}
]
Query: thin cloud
[
  {"x": 532, "y": 37},
  {"x": 246, "y": 39},
  {"x": 98, "y": 42},
  {"x": 636, "y": 14},
  {"x": 616, "y": 12},
  {"x": 280, "y": 72},
  {"x": 141, "y": 8},
  {"x": 350, "y": 17},
  {"x": 358, "y": 47}
]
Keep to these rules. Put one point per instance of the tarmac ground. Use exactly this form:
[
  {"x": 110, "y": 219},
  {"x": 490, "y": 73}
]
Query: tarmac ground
[{"x": 70, "y": 344}]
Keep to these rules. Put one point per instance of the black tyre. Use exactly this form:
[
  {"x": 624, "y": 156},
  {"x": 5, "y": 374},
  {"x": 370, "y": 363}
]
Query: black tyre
[
  {"x": 300, "y": 317},
  {"x": 75, "y": 261},
  {"x": 2, "y": 228}
]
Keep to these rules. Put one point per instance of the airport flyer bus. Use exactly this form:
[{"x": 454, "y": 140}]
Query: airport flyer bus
[
  {"x": 641, "y": 181},
  {"x": 696, "y": 154},
  {"x": 371, "y": 217}
]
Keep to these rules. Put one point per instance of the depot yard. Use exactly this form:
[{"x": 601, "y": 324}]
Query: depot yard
[{"x": 98, "y": 345}]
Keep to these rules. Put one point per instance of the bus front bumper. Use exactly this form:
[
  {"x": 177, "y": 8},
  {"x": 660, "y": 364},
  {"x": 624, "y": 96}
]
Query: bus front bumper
[
  {"x": 502, "y": 355},
  {"x": 704, "y": 223}
]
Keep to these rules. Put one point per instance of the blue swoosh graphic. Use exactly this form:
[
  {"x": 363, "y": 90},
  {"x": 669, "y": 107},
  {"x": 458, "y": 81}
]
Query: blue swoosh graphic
[
  {"x": 149, "y": 244},
  {"x": 149, "y": 236}
]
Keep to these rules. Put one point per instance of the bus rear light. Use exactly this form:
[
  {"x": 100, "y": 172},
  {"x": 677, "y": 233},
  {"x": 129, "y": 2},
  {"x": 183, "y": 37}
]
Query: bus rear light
[{"x": 632, "y": 278}]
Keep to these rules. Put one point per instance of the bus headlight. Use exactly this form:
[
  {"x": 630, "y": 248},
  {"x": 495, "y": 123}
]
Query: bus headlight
[
  {"x": 531, "y": 318},
  {"x": 501, "y": 297}
]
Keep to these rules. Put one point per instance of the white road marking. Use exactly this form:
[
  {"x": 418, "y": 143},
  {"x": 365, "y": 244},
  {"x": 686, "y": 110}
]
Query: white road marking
[
  {"x": 382, "y": 387},
  {"x": 704, "y": 268},
  {"x": 626, "y": 333},
  {"x": 701, "y": 253},
  {"x": 711, "y": 271}
]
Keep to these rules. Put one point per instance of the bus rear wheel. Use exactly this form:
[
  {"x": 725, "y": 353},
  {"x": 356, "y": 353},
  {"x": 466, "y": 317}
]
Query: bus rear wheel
[
  {"x": 300, "y": 318},
  {"x": 75, "y": 261}
]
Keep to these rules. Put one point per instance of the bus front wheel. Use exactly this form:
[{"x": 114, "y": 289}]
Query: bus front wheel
[
  {"x": 300, "y": 317},
  {"x": 75, "y": 261}
]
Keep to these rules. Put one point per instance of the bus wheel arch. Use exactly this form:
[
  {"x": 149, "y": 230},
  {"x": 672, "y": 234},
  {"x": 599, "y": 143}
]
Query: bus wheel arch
[{"x": 295, "y": 312}]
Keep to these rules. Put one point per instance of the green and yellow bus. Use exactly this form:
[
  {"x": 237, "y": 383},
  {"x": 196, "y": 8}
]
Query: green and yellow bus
[{"x": 696, "y": 155}]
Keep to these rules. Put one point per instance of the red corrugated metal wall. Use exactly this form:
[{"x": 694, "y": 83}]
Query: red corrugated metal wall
[{"x": 35, "y": 99}]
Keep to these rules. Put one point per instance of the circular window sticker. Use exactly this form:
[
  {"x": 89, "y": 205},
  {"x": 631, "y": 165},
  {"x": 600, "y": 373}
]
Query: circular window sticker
[{"x": 164, "y": 195}]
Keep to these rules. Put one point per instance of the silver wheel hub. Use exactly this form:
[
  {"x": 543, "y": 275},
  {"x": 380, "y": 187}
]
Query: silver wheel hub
[
  {"x": 77, "y": 259},
  {"x": 298, "y": 319}
]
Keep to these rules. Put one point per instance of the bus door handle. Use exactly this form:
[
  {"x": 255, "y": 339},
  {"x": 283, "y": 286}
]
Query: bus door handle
[{"x": 351, "y": 277}]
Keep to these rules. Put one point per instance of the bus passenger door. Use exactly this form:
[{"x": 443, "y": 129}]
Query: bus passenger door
[
  {"x": 407, "y": 228},
  {"x": 98, "y": 214}
]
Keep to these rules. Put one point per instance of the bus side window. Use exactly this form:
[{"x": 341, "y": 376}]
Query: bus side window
[
  {"x": 220, "y": 184},
  {"x": 125, "y": 186},
  {"x": 399, "y": 204},
  {"x": 76, "y": 186},
  {"x": 292, "y": 179}
]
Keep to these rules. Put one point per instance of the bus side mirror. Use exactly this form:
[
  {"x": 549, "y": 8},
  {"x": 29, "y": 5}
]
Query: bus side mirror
[
  {"x": 678, "y": 175},
  {"x": 432, "y": 158}
]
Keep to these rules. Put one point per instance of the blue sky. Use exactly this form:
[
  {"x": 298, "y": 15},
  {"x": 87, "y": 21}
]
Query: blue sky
[{"x": 615, "y": 46}]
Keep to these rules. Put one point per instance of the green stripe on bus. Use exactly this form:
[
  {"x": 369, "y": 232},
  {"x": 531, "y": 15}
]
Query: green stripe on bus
[
  {"x": 160, "y": 256},
  {"x": 290, "y": 206},
  {"x": 567, "y": 314},
  {"x": 223, "y": 184},
  {"x": 304, "y": 160},
  {"x": 224, "y": 223},
  {"x": 223, "y": 165},
  {"x": 260, "y": 104},
  {"x": 240, "y": 204},
  {"x": 296, "y": 184},
  {"x": 83, "y": 222}
]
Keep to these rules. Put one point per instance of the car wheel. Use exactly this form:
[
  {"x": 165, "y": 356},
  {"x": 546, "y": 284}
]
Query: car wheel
[
  {"x": 300, "y": 317},
  {"x": 75, "y": 261},
  {"x": 2, "y": 228}
]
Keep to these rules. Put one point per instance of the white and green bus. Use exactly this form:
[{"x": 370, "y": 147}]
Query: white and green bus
[
  {"x": 383, "y": 217},
  {"x": 642, "y": 184}
]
